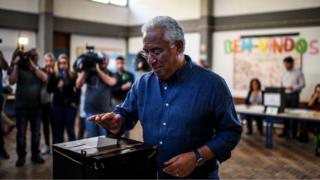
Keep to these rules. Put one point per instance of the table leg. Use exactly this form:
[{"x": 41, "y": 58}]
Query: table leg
[{"x": 269, "y": 132}]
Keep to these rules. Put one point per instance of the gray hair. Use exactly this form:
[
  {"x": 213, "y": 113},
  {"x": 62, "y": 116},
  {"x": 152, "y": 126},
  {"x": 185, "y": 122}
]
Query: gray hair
[{"x": 173, "y": 31}]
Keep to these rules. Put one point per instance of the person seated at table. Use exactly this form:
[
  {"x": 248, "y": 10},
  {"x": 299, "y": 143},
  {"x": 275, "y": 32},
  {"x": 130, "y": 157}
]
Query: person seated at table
[
  {"x": 314, "y": 101},
  {"x": 254, "y": 97},
  {"x": 314, "y": 104}
]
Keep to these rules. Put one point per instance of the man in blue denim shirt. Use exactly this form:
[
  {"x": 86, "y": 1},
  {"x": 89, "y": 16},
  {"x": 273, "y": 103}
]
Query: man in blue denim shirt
[{"x": 184, "y": 109}]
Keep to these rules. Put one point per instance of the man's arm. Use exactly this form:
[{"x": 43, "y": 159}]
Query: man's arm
[
  {"x": 123, "y": 118},
  {"x": 3, "y": 63},
  {"x": 111, "y": 81},
  {"x": 38, "y": 72},
  {"x": 300, "y": 83},
  {"x": 227, "y": 135},
  {"x": 81, "y": 79},
  {"x": 13, "y": 77}
]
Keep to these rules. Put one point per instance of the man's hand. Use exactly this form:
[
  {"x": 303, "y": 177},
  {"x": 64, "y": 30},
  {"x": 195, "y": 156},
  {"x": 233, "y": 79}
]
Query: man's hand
[
  {"x": 126, "y": 86},
  {"x": 16, "y": 60},
  {"x": 181, "y": 165},
  {"x": 110, "y": 121},
  {"x": 60, "y": 84},
  {"x": 290, "y": 88},
  {"x": 33, "y": 65},
  {"x": 98, "y": 69}
]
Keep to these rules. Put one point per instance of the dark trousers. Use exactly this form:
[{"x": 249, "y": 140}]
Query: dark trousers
[
  {"x": 22, "y": 117},
  {"x": 1, "y": 127},
  {"x": 46, "y": 116},
  {"x": 64, "y": 118},
  {"x": 259, "y": 122},
  {"x": 291, "y": 101},
  {"x": 82, "y": 127}
]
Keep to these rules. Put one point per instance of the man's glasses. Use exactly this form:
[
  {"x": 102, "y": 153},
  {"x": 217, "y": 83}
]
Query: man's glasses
[{"x": 154, "y": 53}]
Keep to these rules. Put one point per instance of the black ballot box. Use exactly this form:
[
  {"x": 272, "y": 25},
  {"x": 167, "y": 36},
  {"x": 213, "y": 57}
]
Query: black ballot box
[{"x": 104, "y": 157}]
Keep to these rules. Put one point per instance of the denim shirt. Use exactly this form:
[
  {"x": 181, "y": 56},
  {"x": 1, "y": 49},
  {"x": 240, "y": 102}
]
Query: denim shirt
[{"x": 191, "y": 109}]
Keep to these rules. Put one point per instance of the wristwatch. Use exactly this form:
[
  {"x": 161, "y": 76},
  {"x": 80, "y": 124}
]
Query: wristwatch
[{"x": 199, "y": 159}]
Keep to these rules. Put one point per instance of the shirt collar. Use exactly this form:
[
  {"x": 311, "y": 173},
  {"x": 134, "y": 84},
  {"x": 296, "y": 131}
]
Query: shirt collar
[{"x": 182, "y": 73}]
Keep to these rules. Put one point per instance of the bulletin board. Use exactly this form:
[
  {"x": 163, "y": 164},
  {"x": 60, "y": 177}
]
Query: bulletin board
[{"x": 267, "y": 67}]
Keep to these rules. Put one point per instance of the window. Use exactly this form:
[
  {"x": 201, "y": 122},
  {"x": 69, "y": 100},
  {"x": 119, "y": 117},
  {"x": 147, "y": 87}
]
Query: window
[{"x": 114, "y": 2}]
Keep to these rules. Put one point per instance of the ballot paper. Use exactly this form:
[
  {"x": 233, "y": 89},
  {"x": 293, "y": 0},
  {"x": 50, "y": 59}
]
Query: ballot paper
[{"x": 90, "y": 143}]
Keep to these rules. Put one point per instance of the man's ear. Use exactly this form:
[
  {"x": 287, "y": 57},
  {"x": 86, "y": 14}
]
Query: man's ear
[{"x": 179, "y": 46}]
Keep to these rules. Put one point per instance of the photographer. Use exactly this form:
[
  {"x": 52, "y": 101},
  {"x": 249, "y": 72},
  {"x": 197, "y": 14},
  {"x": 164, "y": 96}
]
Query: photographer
[
  {"x": 65, "y": 99},
  {"x": 3, "y": 66},
  {"x": 98, "y": 93},
  {"x": 141, "y": 64},
  {"x": 29, "y": 78}
]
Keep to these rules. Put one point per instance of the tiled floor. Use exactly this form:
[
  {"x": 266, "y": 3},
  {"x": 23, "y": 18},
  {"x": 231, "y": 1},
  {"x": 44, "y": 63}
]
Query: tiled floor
[{"x": 250, "y": 159}]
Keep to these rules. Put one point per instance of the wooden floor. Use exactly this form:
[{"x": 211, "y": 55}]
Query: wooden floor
[{"x": 250, "y": 160}]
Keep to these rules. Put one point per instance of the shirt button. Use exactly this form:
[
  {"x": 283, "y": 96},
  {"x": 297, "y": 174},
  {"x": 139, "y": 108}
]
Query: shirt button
[
  {"x": 165, "y": 88},
  {"x": 167, "y": 104},
  {"x": 164, "y": 124},
  {"x": 160, "y": 142}
]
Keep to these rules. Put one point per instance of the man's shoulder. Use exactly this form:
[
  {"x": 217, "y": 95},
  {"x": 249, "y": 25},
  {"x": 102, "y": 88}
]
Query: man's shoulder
[
  {"x": 206, "y": 74},
  {"x": 146, "y": 77}
]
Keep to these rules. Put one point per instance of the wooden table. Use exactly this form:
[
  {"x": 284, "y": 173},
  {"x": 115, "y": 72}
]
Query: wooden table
[{"x": 304, "y": 115}]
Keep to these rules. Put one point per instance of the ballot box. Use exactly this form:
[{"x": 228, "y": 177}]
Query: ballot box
[{"x": 103, "y": 157}]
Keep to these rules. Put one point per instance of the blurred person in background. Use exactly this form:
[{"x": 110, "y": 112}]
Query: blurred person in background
[
  {"x": 3, "y": 66},
  {"x": 314, "y": 101},
  {"x": 141, "y": 64},
  {"x": 65, "y": 99},
  {"x": 98, "y": 94},
  {"x": 125, "y": 79},
  {"x": 82, "y": 114},
  {"x": 254, "y": 97},
  {"x": 28, "y": 76},
  {"x": 46, "y": 114},
  {"x": 293, "y": 82}
]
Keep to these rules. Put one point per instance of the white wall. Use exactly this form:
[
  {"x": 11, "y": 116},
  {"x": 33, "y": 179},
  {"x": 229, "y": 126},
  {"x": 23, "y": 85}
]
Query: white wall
[
  {"x": 241, "y": 7},
  {"x": 91, "y": 11},
  {"x": 31, "y": 6},
  {"x": 223, "y": 63},
  {"x": 191, "y": 49},
  {"x": 135, "y": 45},
  {"x": 109, "y": 45},
  {"x": 143, "y": 10}
]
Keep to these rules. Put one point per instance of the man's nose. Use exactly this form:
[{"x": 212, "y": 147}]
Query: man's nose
[{"x": 151, "y": 59}]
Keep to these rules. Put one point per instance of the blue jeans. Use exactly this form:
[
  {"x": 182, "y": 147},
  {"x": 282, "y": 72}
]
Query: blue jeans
[
  {"x": 93, "y": 129},
  {"x": 22, "y": 117},
  {"x": 64, "y": 118}
]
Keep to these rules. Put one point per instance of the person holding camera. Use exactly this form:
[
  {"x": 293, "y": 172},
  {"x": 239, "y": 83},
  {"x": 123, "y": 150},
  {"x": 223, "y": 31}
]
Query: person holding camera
[
  {"x": 26, "y": 73},
  {"x": 65, "y": 99},
  {"x": 141, "y": 64},
  {"x": 125, "y": 79},
  {"x": 3, "y": 66},
  {"x": 98, "y": 93}
]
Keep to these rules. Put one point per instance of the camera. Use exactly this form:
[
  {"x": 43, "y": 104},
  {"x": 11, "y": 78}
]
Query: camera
[
  {"x": 24, "y": 57},
  {"x": 140, "y": 63},
  {"x": 87, "y": 62}
]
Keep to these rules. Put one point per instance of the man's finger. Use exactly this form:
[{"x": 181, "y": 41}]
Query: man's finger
[
  {"x": 172, "y": 160},
  {"x": 107, "y": 116},
  {"x": 93, "y": 118},
  {"x": 171, "y": 169}
]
